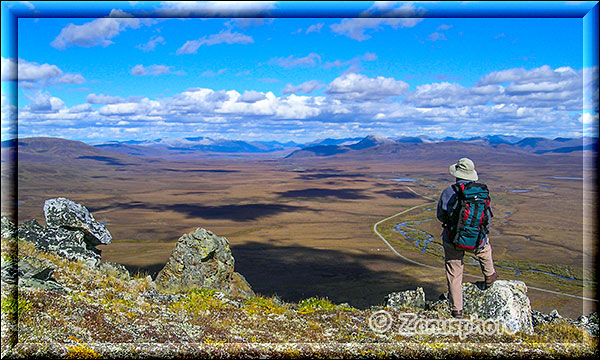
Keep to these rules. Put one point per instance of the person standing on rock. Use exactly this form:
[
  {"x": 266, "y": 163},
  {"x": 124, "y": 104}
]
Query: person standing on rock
[{"x": 465, "y": 212}]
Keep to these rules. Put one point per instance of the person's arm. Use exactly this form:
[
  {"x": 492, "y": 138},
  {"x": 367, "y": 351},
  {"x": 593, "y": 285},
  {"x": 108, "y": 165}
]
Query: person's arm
[{"x": 442, "y": 209}]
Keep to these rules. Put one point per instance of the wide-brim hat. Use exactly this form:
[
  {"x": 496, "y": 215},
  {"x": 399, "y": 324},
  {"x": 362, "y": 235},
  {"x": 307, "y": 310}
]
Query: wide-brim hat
[{"x": 464, "y": 169}]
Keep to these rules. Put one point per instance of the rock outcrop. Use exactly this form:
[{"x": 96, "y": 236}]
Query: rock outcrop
[
  {"x": 406, "y": 299},
  {"x": 71, "y": 231},
  {"x": 31, "y": 272},
  {"x": 505, "y": 302},
  {"x": 588, "y": 323},
  {"x": 202, "y": 259},
  {"x": 66, "y": 214}
]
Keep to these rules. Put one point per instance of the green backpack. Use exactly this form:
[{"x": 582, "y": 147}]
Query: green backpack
[{"x": 469, "y": 220}]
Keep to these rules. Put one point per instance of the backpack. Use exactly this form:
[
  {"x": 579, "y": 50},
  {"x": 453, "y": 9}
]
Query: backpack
[{"x": 469, "y": 221}]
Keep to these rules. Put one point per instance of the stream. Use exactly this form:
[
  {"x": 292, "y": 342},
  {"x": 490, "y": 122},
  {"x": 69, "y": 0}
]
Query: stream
[{"x": 409, "y": 227}]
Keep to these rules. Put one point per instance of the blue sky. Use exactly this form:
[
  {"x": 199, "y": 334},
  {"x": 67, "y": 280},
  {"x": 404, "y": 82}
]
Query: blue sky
[{"x": 416, "y": 71}]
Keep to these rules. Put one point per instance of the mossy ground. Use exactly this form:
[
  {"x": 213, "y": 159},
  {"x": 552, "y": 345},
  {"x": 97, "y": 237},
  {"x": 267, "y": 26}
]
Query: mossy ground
[{"x": 102, "y": 314}]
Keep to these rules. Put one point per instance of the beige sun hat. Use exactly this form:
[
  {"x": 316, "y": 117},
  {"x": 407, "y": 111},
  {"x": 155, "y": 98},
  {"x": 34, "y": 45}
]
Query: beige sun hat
[{"x": 464, "y": 169}]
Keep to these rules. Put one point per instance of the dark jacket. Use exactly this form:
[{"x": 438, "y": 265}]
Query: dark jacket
[{"x": 444, "y": 208}]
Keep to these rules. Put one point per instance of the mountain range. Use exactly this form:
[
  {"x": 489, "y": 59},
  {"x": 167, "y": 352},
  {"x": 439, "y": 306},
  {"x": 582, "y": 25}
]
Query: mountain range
[{"x": 41, "y": 149}]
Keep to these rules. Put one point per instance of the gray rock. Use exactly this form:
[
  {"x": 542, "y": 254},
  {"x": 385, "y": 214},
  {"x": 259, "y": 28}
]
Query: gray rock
[
  {"x": 9, "y": 230},
  {"x": 202, "y": 259},
  {"x": 505, "y": 301},
  {"x": 64, "y": 213},
  {"x": 588, "y": 323},
  {"x": 406, "y": 299},
  {"x": 31, "y": 272},
  {"x": 69, "y": 244}
]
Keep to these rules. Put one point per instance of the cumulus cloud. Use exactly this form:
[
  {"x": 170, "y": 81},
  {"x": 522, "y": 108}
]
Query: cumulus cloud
[
  {"x": 44, "y": 102},
  {"x": 306, "y": 87},
  {"x": 223, "y": 37},
  {"x": 251, "y": 96},
  {"x": 31, "y": 74},
  {"x": 309, "y": 60},
  {"x": 151, "y": 44},
  {"x": 359, "y": 87},
  {"x": 351, "y": 104},
  {"x": 153, "y": 70},
  {"x": 97, "y": 32}
]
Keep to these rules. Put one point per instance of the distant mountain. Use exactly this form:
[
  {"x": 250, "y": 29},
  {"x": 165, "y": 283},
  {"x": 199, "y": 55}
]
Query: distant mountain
[
  {"x": 330, "y": 150},
  {"x": 371, "y": 141},
  {"x": 329, "y": 141},
  {"x": 189, "y": 145},
  {"x": 48, "y": 150},
  {"x": 543, "y": 145}
]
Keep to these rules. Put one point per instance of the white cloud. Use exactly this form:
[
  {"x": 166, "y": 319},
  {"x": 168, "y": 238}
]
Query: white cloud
[
  {"x": 437, "y": 36},
  {"x": 314, "y": 28},
  {"x": 251, "y": 96},
  {"x": 354, "y": 64},
  {"x": 359, "y": 87},
  {"x": 9, "y": 69},
  {"x": 210, "y": 73},
  {"x": 44, "y": 102},
  {"x": 104, "y": 99},
  {"x": 355, "y": 104},
  {"x": 153, "y": 70},
  {"x": 151, "y": 44},
  {"x": 306, "y": 87},
  {"x": 31, "y": 74},
  {"x": 404, "y": 16},
  {"x": 215, "y": 8},
  {"x": 96, "y": 32},
  {"x": 143, "y": 107},
  {"x": 225, "y": 36},
  {"x": 309, "y": 60}
]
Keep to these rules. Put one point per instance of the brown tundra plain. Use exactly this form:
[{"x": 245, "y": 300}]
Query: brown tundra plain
[{"x": 304, "y": 227}]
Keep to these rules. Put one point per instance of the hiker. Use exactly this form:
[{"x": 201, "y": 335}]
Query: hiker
[{"x": 465, "y": 206}]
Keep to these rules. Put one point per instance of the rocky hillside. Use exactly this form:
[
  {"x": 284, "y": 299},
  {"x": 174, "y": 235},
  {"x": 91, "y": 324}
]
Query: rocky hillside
[{"x": 59, "y": 299}]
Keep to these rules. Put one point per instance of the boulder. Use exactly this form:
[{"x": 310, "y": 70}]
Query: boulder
[
  {"x": 69, "y": 244},
  {"x": 66, "y": 214},
  {"x": 505, "y": 301},
  {"x": 31, "y": 272},
  {"x": 406, "y": 299},
  {"x": 203, "y": 260}
]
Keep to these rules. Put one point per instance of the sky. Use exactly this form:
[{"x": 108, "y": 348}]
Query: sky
[{"x": 106, "y": 71}]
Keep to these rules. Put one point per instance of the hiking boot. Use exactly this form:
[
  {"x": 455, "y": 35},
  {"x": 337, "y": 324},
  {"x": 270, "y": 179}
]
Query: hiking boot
[
  {"x": 457, "y": 314},
  {"x": 489, "y": 280}
]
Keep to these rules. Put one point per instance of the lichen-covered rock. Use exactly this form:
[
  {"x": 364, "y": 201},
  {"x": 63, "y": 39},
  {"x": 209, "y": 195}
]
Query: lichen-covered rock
[
  {"x": 202, "y": 259},
  {"x": 9, "y": 230},
  {"x": 588, "y": 323},
  {"x": 31, "y": 272},
  {"x": 69, "y": 244},
  {"x": 64, "y": 213},
  {"x": 406, "y": 299},
  {"x": 505, "y": 301}
]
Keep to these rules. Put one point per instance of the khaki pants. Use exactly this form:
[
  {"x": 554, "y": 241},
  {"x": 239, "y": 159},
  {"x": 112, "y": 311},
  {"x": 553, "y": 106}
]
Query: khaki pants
[{"x": 454, "y": 270}]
